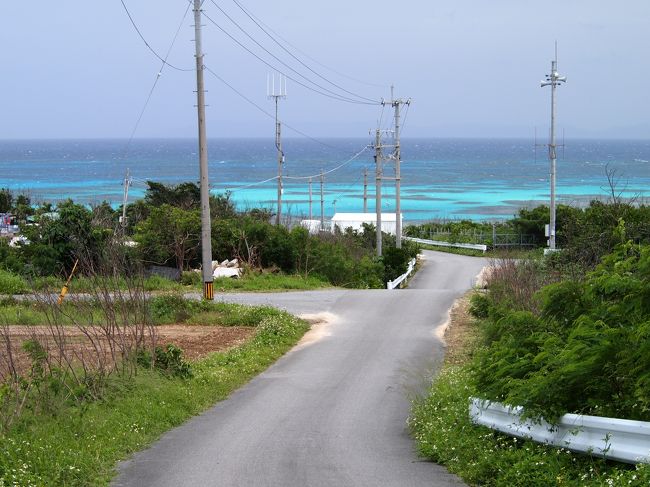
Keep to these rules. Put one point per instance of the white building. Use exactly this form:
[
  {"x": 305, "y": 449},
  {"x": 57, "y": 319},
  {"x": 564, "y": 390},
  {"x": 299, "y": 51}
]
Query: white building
[{"x": 356, "y": 221}]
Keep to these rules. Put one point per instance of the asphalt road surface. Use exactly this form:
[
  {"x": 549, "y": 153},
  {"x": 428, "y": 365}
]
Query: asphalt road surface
[{"x": 332, "y": 412}]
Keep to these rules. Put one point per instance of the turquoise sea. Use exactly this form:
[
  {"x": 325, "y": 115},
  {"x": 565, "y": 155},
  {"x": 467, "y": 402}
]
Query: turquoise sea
[{"x": 441, "y": 178}]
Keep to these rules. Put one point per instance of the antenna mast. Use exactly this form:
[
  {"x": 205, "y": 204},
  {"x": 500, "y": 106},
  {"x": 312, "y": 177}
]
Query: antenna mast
[
  {"x": 206, "y": 237},
  {"x": 276, "y": 96},
  {"x": 553, "y": 80},
  {"x": 125, "y": 199}
]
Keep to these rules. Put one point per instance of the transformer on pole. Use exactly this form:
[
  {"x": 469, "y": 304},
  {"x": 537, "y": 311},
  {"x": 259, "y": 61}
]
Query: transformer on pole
[{"x": 553, "y": 80}]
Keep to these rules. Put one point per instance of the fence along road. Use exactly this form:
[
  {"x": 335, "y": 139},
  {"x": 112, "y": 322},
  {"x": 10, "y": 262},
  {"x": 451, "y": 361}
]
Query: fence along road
[{"x": 331, "y": 412}]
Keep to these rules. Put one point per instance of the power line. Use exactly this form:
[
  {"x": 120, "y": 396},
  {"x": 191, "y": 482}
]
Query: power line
[
  {"x": 155, "y": 83},
  {"x": 331, "y": 94},
  {"x": 268, "y": 114},
  {"x": 135, "y": 26},
  {"x": 301, "y": 177},
  {"x": 292, "y": 55},
  {"x": 333, "y": 169},
  {"x": 257, "y": 20},
  {"x": 252, "y": 184}
]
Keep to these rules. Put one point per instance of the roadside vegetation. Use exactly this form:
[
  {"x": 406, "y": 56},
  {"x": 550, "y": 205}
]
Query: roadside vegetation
[
  {"x": 163, "y": 229},
  {"x": 83, "y": 388},
  {"x": 566, "y": 333}
]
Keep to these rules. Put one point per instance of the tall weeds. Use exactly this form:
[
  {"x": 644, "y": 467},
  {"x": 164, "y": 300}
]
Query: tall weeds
[{"x": 80, "y": 344}]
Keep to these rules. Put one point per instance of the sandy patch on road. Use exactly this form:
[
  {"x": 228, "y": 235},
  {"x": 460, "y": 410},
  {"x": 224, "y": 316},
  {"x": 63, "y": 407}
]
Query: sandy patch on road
[
  {"x": 321, "y": 324},
  {"x": 461, "y": 331},
  {"x": 484, "y": 276}
]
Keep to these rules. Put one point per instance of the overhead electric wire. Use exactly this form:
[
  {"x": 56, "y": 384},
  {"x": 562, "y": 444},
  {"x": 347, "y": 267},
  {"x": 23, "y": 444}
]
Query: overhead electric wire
[
  {"x": 343, "y": 164},
  {"x": 153, "y": 51},
  {"x": 268, "y": 114},
  {"x": 155, "y": 83},
  {"x": 333, "y": 169},
  {"x": 258, "y": 21},
  {"x": 251, "y": 184},
  {"x": 290, "y": 53},
  {"x": 323, "y": 93}
]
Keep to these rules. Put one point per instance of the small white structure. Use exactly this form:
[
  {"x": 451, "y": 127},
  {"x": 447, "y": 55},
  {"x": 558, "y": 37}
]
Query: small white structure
[
  {"x": 312, "y": 226},
  {"x": 356, "y": 221}
]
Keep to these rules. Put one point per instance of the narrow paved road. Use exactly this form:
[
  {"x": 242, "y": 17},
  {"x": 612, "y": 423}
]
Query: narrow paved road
[{"x": 331, "y": 412}]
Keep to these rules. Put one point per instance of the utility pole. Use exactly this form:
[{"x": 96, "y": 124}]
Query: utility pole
[
  {"x": 278, "y": 136},
  {"x": 553, "y": 80},
  {"x": 365, "y": 190},
  {"x": 322, "y": 201},
  {"x": 310, "y": 200},
  {"x": 125, "y": 199},
  {"x": 206, "y": 234},
  {"x": 396, "y": 104},
  {"x": 378, "y": 174}
]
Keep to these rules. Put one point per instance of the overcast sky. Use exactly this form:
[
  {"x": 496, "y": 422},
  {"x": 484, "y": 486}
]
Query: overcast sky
[{"x": 77, "y": 69}]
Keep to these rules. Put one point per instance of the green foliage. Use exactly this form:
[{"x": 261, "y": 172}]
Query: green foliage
[
  {"x": 186, "y": 196},
  {"x": 81, "y": 444},
  {"x": 167, "y": 360},
  {"x": 586, "y": 350},
  {"x": 479, "y": 305},
  {"x": 62, "y": 237},
  {"x": 262, "y": 281},
  {"x": 6, "y": 200},
  {"x": 395, "y": 262},
  {"x": 444, "y": 434},
  {"x": 11, "y": 283},
  {"x": 168, "y": 308},
  {"x": 170, "y": 234}
]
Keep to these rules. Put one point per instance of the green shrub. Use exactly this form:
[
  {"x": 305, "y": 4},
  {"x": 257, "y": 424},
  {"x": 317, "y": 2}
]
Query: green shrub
[
  {"x": 11, "y": 283},
  {"x": 586, "y": 351},
  {"x": 169, "y": 308},
  {"x": 191, "y": 278},
  {"x": 168, "y": 360},
  {"x": 479, "y": 305}
]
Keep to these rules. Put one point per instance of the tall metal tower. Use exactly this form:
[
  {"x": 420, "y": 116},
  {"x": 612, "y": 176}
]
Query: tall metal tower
[
  {"x": 553, "y": 80},
  {"x": 206, "y": 234},
  {"x": 276, "y": 96}
]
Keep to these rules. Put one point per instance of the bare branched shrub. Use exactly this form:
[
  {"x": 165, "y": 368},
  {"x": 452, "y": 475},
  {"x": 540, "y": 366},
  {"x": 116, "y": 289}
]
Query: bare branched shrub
[
  {"x": 514, "y": 282},
  {"x": 81, "y": 343}
]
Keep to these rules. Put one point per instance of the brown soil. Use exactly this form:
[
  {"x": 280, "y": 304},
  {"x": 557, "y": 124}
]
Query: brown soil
[
  {"x": 199, "y": 341},
  {"x": 196, "y": 341},
  {"x": 462, "y": 331}
]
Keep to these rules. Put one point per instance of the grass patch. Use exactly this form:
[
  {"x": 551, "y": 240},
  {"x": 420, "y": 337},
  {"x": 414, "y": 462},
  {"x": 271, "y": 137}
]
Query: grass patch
[
  {"x": 267, "y": 282},
  {"x": 80, "y": 445},
  {"x": 11, "y": 283},
  {"x": 444, "y": 434}
]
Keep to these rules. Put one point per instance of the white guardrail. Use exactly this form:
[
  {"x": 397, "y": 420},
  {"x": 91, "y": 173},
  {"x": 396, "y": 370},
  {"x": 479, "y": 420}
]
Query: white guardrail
[
  {"x": 447, "y": 244},
  {"x": 400, "y": 279},
  {"x": 615, "y": 439}
]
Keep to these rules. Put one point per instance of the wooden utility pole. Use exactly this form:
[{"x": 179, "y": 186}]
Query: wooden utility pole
[{"x": 206, "y": 234}]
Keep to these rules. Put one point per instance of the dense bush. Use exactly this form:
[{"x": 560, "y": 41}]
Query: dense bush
[{"x": 586, "y": 350}]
